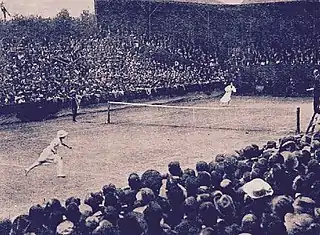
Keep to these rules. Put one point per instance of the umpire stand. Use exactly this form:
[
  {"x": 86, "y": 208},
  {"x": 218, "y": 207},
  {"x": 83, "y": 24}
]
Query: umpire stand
[
  {"x": 315, "y": 119},
  {"x": 316, "y": 113}
]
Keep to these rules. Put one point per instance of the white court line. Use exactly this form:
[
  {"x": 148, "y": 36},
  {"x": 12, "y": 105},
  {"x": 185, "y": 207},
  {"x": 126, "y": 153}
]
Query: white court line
[
  {"x": 77, "y": 172},
  {"x": 73, "y": 172},
  {"x": 182, "y": 107}
]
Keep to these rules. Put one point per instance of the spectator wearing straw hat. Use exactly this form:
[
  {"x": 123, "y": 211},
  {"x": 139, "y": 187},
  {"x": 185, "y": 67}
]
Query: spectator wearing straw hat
[{"x": 50, "y": 155}]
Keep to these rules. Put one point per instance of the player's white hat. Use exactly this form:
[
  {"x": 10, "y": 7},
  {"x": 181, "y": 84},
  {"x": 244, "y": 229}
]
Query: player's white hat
[{"x": 62, "y": 133}]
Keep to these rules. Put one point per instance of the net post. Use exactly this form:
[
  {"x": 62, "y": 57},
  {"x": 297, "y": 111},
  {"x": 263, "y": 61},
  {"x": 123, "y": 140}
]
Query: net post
[
  {"x": 108, "y": 115},
  {"x": 298, "y": 121}
]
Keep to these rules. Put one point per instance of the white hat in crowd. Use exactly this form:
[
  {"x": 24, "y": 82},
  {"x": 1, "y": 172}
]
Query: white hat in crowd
[{"x": 257, "y": 188}]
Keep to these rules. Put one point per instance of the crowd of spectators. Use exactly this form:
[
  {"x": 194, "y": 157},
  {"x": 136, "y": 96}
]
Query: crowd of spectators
[
  {"x": 117, "y": 61},
  {"x": 258, "y": 191}
]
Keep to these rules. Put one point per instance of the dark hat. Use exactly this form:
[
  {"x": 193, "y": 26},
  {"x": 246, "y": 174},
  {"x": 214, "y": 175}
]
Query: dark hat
[
  {"x": 276, "y": 159},
  {"x": 133, "y": 223},
  {"x": 192, "y": 185},
  {"x": 313, "y": 166},
  {"x": 175, "y": 194},
  {"x": 251, "y": 151},
  {"x": 225, "y": 205},
  {"x": 216, "y": 178},
  {"x": 202, "y": 166},
  {"x": 304, "y": 156},
  {"x": 271, "y": 144},
  {"x": 73, "y": 213},
  {"x": 134, "y": 181},
  {"x": 189, "y": 172},
  {"x": 207, "y": 210},
  {"x": 128, "y": 197},
  {"x": 187, "y": 227},
  {"x": 152, "y": 179},
  {"x": 286, "y": 139},
  {"x": 109, "y": 188},
  {"x": 153, "y": 212},
  {"x": 174, "y": 168},
  {"x": 289, "y": 146},
  {"x": 268, "y": 153},
  {"x": 53, "y": 205},
  {"x": 204, "y": 178},
  {"x": 36, "y": 214},
  {"x": 111, "y": 214},
  {"x": 73, "y": 199}
]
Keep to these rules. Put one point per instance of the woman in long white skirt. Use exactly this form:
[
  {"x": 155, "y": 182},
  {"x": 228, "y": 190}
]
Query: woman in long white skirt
[
  {"x": 226, "y": 98},
  {"x": 49, "y": 155}
]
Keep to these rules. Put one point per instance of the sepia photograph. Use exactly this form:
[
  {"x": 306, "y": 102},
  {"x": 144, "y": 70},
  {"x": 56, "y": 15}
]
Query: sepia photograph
[{"x": 160, "y": 117}]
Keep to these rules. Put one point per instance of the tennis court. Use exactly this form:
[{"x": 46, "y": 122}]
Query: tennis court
[{"x": 138, "y": 138}]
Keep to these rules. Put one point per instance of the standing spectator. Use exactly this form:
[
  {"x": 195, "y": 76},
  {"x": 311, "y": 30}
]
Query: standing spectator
[{"x": 75, "y": 104}]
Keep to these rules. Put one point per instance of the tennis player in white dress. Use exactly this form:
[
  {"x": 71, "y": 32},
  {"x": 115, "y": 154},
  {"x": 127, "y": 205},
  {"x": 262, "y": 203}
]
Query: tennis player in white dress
[
  {"x": 49, "y": 155},
  {"x": 228, "y": 92}
]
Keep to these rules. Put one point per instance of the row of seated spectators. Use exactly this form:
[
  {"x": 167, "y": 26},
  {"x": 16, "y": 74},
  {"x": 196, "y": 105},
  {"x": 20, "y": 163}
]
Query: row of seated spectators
[
  {"x": 254, "y": 191},
  {"x": 44, "y": 67}
]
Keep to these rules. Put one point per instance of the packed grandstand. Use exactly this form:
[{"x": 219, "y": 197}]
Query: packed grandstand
[{"x": 153, "y": 48}]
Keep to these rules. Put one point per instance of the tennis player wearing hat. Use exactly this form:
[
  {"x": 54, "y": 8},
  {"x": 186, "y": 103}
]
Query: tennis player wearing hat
[
  {"x": 49, "y": 154},
  {"x": 228, "y": 92}
]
